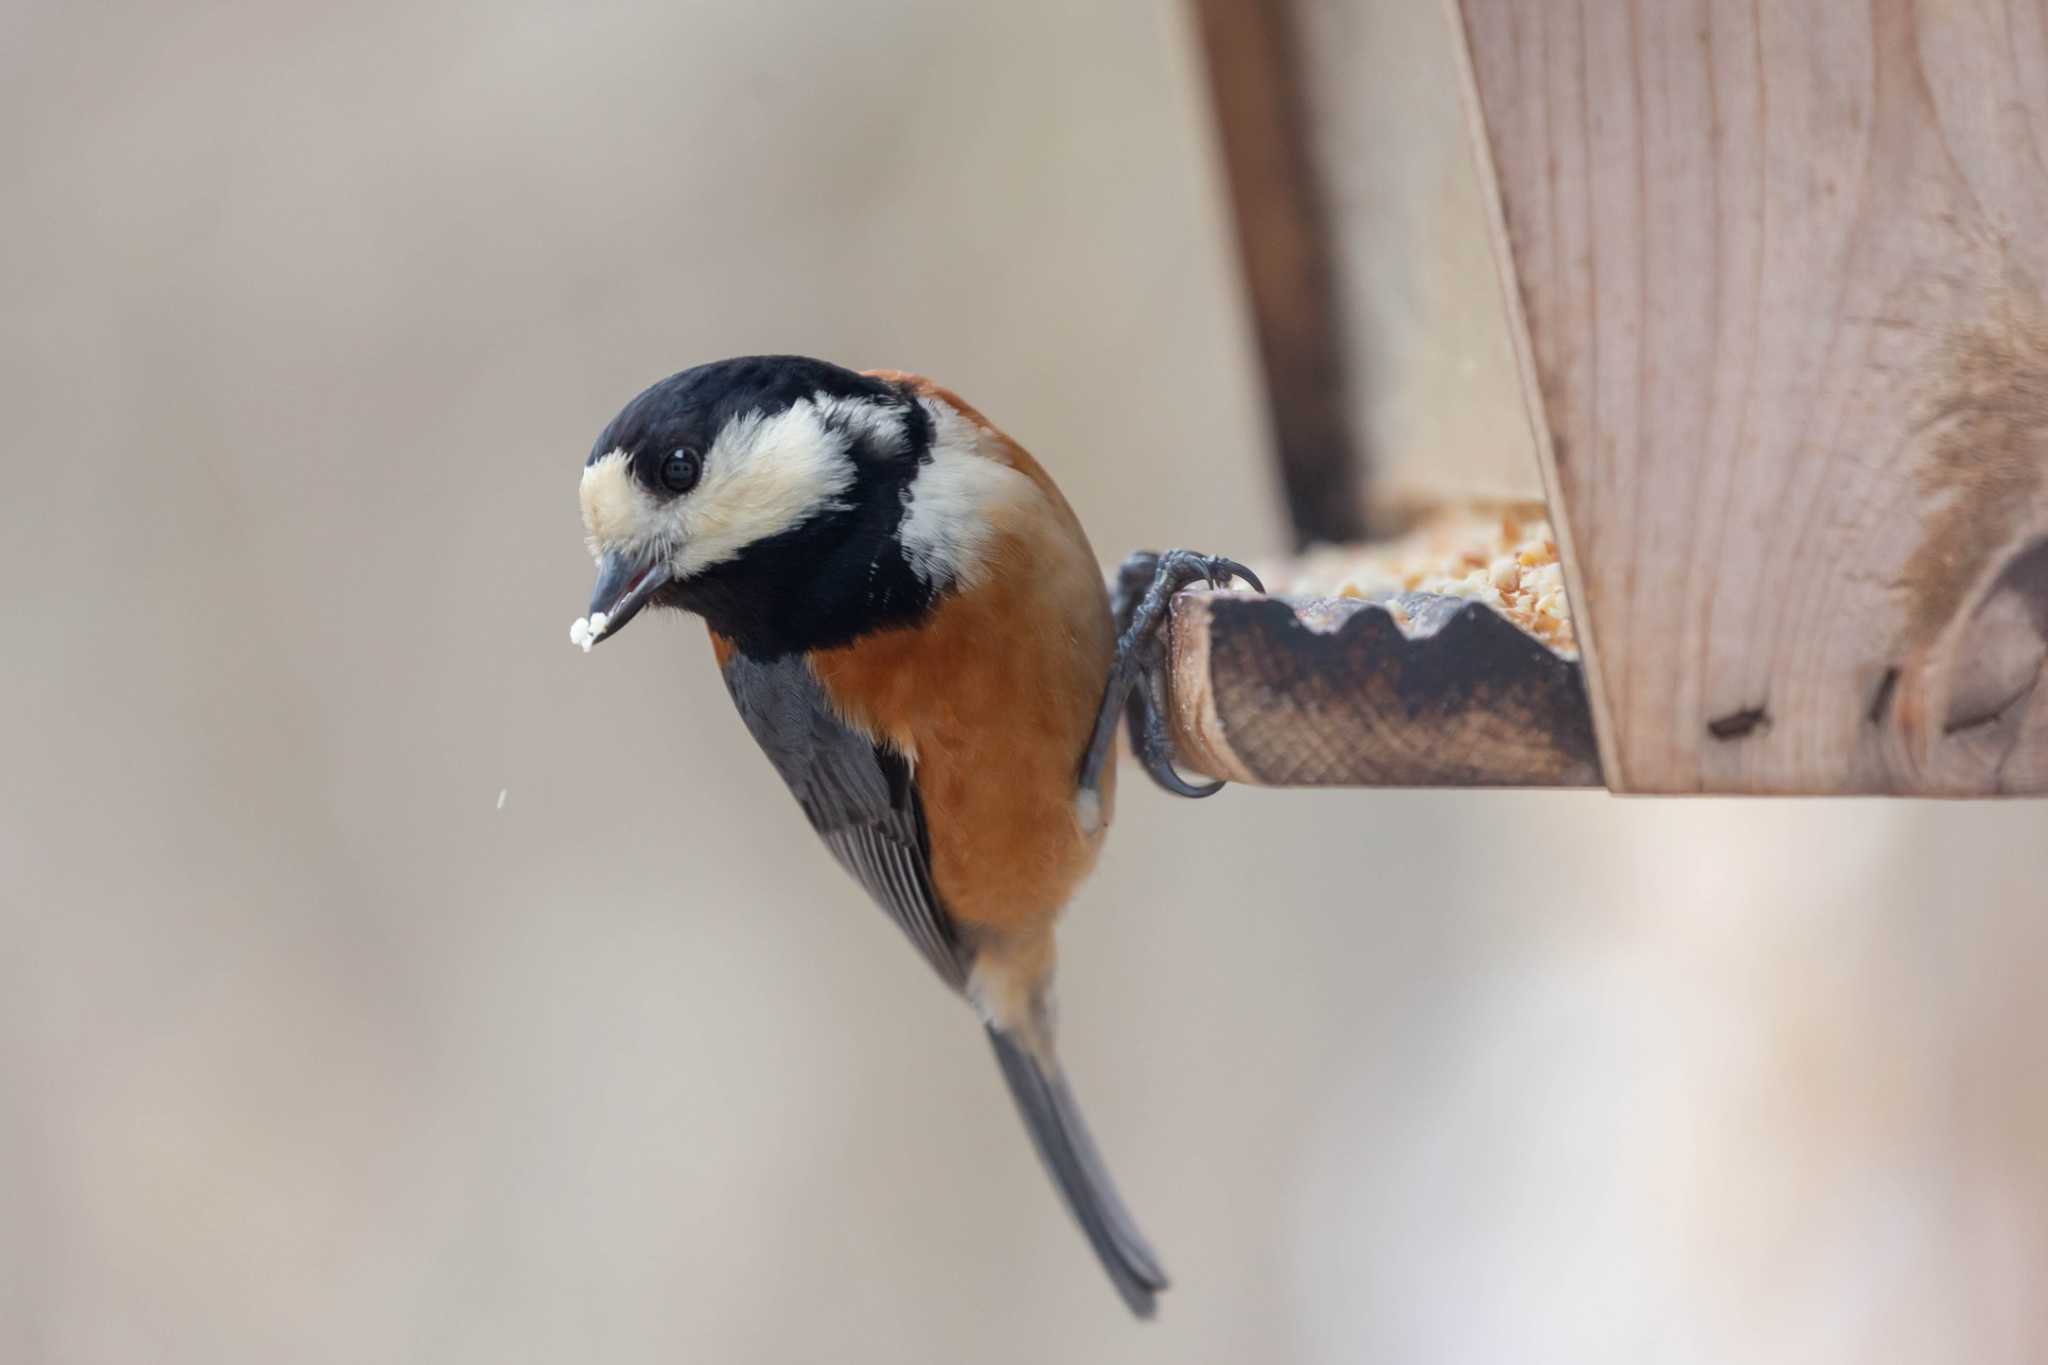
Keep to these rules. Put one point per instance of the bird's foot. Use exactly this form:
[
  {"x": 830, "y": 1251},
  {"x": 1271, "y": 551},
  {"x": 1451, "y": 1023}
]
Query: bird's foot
[{"x": 1137, "y": 678}]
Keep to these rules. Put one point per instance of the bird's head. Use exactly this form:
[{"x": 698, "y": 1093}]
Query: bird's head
[{"x": 764, "y": 493}]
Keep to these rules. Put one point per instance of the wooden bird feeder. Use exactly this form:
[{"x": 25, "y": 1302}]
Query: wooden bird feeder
[{"x": 1774, "y": 285}]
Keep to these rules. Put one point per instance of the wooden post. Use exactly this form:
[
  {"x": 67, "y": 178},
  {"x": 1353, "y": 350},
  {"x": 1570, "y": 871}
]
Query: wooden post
[
  {"x": 1276, "y": 202},
  {"x": 1781, "y": 269}
]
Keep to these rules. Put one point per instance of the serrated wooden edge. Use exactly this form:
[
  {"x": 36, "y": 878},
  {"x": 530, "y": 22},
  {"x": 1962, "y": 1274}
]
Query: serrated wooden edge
[{"x": 1258, "y": 695}]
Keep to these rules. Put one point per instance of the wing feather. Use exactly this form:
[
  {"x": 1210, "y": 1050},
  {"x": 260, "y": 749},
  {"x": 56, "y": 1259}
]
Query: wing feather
[{"x": 859, "y": 796}]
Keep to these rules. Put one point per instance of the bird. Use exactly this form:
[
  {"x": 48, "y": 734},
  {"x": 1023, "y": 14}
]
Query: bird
[{"x": 912, "y": 624}]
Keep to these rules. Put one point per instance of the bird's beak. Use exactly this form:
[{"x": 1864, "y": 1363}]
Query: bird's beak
[{"x": 623, "y": 587}]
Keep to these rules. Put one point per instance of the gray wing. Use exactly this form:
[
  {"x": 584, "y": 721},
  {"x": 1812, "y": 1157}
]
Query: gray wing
[{"x": 861, "y": 799}]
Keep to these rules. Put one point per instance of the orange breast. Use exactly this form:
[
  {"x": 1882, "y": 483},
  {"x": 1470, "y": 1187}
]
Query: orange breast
[{"x": 994, "y": 696}]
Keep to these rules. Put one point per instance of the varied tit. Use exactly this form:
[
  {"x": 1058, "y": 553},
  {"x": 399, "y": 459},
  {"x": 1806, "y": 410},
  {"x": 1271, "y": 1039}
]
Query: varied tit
[{"x": 913, "y": 626}]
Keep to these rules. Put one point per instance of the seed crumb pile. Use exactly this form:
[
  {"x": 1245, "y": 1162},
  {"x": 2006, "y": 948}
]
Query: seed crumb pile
[{"x": 1508, "y": 560}]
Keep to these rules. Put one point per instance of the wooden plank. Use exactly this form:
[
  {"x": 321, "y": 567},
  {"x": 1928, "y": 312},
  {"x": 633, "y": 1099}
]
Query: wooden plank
[
  {"x": 1284, "y": 249},
  {"x": 1782, "y": 271},
  {"x": 1431, "y": 387},
  {"x": 1335, "y": 693}
]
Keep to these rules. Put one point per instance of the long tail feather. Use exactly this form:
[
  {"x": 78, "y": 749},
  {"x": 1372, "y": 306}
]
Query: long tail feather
[{"x": 1069, "y": 1154}]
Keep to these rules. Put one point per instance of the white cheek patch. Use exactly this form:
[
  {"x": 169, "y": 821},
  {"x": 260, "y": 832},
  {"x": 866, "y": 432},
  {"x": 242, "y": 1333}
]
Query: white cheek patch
[
  {"x": 763, "y": 476},
  {"x": 950, "y": 521},
  {"x": 617, "y": 512}
]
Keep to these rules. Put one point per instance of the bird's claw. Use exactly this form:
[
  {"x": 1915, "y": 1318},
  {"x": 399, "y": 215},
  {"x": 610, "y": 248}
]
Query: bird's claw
[
  {"x": 1145, "y": 585},
  {"x": 1222, "y": 571},
  {"x": 1153, "y": 743},
  {"x": 1150, "y": 578}
]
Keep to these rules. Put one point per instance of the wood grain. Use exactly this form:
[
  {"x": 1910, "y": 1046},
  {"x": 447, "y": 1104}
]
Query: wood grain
[
  {"x": 1782, "y": 272},
  {"x": 1334, "y": 693}
]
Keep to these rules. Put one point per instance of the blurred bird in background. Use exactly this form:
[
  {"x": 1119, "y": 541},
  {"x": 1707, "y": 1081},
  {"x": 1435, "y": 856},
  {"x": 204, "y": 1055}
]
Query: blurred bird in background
[{"x": 913, "y": 626}]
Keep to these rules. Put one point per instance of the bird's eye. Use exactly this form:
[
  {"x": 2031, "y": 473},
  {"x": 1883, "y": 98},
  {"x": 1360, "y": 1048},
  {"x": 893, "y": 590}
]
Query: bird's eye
[{"x": 680, "y": 471}]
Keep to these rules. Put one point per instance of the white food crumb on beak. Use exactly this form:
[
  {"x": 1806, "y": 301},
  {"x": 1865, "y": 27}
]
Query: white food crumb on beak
[
  {"x": 598, "y": 621},
  {"x": 580, "y": 634},
  {"x": 501, "y": 797}
]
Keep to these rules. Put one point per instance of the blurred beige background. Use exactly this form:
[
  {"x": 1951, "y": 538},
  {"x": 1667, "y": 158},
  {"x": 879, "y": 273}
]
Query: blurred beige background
[{"x": 310, "y": 1052}]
